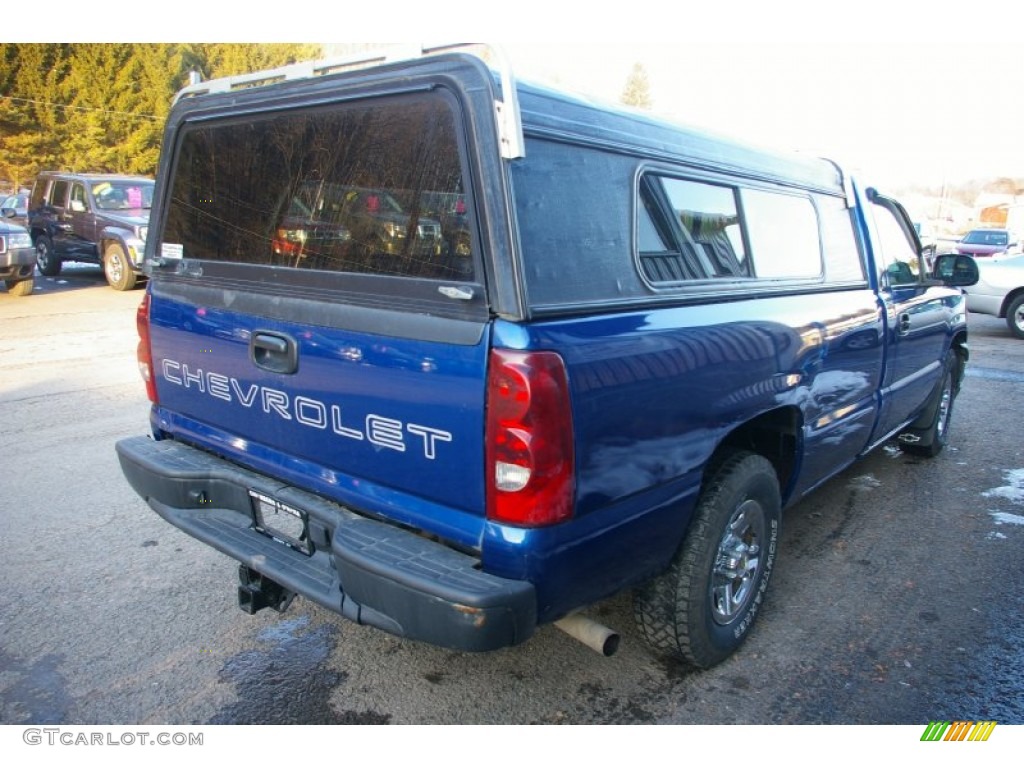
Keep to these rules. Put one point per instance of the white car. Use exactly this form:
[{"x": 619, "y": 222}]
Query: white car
[{"x": 1000, "y": 291}]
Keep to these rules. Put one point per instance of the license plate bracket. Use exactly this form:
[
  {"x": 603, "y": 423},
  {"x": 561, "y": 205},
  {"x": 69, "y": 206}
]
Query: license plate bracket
[{"x": 280, "y": 522}]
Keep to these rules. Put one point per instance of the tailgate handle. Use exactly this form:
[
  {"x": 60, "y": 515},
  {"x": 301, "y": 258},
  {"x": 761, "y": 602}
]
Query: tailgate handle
[{"x": 274, "y": 352}]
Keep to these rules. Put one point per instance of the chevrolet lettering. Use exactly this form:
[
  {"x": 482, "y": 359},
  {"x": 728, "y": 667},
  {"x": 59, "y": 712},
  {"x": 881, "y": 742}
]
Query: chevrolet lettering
[{"x": 378, "y": 430}]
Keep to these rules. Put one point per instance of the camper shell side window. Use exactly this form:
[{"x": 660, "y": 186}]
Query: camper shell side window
[{"x": 697, "y": 230}]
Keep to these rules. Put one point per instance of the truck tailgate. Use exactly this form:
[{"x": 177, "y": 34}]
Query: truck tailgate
[{"x": 349, "y": 408}]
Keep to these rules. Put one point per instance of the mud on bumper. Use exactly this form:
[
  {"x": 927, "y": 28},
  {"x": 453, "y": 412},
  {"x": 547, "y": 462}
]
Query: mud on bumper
[{"x": 368, "y": 571}]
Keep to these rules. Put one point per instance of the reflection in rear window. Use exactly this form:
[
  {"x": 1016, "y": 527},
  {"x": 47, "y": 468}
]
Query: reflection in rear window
[
  {"x": 372, "y": 188},
  {"x": 986, "y": 237}
]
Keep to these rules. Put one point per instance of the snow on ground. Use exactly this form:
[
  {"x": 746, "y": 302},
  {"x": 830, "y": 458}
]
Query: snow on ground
[{"x": 1012, "y": 491}]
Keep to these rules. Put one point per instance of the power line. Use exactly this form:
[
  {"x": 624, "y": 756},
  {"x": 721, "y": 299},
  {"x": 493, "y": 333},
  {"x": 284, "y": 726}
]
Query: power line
[{"x": 141, "y": 115}]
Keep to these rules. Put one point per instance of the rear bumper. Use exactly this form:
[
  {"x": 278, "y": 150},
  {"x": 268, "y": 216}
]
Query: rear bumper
[{"x": 366, "y": 570}]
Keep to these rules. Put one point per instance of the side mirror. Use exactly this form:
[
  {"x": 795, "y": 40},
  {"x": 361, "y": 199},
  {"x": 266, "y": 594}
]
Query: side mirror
[
  {"x": 78, "y": 206},
  {"x": 9, "y": 213},
  {"x": 956, "y": 269}
]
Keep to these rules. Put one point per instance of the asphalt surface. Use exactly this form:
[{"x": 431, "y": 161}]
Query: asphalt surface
[{"x": 896, "y": 597}]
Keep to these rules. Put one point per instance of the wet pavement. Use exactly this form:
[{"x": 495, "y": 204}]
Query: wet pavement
[{"x": 896, "y": 597}]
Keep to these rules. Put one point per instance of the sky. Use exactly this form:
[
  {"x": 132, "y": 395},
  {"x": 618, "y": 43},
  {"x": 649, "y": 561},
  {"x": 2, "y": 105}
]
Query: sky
[
  {"x": 901, "y": 91},
  {"x": 898, "y": 112}
]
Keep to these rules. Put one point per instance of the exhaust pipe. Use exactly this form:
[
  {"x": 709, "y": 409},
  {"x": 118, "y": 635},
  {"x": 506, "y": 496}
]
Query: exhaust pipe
[{"x": 593, "y": 635}]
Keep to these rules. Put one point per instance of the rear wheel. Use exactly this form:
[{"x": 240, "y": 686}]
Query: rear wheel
[
  {"x": 118, "y": 270},
  {"x": 1015, "y": 317},
  {"x": 20, "y": 287},
  {"x": 47, "y": 261},
  {"x": 703, "y": 607}
]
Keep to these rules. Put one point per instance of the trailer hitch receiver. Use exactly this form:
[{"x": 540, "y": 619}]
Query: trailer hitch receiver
[{"x": 256, "y": 592}]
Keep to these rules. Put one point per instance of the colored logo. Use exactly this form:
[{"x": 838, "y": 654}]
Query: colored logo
[{"x": 959, "y": 730}]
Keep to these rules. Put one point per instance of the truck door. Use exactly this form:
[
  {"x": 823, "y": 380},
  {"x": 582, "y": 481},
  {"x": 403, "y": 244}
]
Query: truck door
[{"x": 917, "y": 314}]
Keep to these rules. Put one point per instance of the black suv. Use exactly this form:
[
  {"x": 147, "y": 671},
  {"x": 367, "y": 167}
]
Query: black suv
[{"x": 94, "y": 218}]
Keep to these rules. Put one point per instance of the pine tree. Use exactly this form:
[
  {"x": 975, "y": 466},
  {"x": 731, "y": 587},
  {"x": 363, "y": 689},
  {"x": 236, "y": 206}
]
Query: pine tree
[
  {"x": 29, "y": 120},
  {"x": 637, "y": 92},
  {"x": 102, "y": 107}
]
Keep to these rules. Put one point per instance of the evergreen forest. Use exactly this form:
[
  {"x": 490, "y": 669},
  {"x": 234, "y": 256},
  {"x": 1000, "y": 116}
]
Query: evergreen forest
[{"x": 101, "y": 107}]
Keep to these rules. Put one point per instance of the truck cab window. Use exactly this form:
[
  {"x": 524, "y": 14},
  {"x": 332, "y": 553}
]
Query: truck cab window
[{"x": 899, "y": 258}]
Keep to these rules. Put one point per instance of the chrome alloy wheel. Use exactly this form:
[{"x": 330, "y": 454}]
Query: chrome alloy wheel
[
  {"x": 945, "y": 407},
  {"x": 114, "y": 268},
  {"x": 738, "y": 562}
]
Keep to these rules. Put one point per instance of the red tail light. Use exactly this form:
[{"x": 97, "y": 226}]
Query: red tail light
[
  {"x": 288, "y": 242},
  {"x": 530, "y": 455},
  {"x": 145, "y": 350}
]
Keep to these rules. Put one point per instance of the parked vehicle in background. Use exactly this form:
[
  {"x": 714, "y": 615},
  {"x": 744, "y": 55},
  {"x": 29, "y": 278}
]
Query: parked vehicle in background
[
  {"x": 449, "y": 208},
  {"x": 349, "y": 228},
  {"x": 651, "y": 341},
  {"x": 17, "y": 258},
  {"x": 93, "y": 218},
  {"x": 14, "y": 209},
  {"x": 987, "y": 242},
  {"x": 1000, "y": 291}
]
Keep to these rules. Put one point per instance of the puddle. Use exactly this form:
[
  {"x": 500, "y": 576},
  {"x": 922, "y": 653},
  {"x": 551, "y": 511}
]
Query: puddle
[
  {"x": 291, "y": 682},
  {"x": 38, "y": 695},
  {"x": 989, "y": 681},
  {"x": 994, "y": 374}
]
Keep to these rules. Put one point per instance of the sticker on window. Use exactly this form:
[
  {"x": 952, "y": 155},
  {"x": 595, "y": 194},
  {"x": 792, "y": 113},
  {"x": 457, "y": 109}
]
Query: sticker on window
[{"x": 172, "y": 250}]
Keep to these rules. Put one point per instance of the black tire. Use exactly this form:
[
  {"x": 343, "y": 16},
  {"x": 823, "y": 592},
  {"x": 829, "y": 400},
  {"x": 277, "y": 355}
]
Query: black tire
[
  {"x": 20, "y": 287},
  {"x": 1015, "y": 317},
  {"x": 47, "y": 261},
  {"x": 703, "y": 607},
  {"x": 117, "y": 268},
  {"x": 933, "y": 435}
]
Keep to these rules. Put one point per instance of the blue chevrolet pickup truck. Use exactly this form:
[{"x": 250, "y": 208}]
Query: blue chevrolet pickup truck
[{"x": 457, "y": 356}]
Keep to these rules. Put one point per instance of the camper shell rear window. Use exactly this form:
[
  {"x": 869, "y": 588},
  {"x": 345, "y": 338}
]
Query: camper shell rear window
[{"x": 372, "y": 187}]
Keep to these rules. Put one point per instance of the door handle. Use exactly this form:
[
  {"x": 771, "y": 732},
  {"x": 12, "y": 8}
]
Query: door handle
[{"x": 274, "y": 352}]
